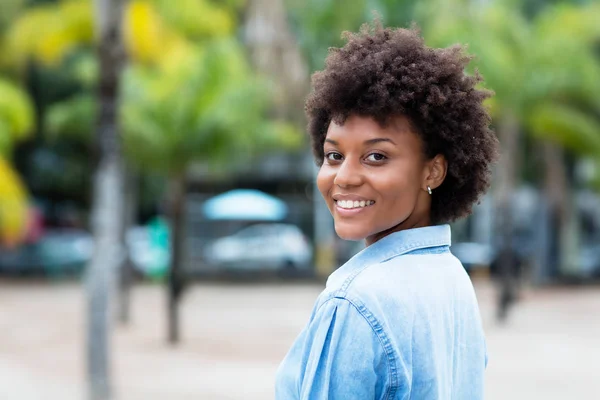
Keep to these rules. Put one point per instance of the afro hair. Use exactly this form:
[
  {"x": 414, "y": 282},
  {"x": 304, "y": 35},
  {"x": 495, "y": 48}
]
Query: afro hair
[{"x": 383, "y": 72}]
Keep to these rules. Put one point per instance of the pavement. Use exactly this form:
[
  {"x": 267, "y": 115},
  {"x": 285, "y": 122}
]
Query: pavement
[{"x": 234, "y": 337}]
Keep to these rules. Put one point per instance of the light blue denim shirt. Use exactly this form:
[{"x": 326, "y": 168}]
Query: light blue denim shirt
[{"x": 398, "y": 321}]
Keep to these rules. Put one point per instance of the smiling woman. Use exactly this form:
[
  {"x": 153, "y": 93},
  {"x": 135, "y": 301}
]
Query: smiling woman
[
  {"x": 404, "y": 146},
  {"x": 385, "y": 166}
]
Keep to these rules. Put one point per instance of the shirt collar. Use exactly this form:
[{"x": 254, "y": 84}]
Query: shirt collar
[{"x": 393, "y": 245}]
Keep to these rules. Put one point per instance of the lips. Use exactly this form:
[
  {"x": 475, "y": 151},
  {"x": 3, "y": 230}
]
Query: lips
[{"x": 351, "y": 204}]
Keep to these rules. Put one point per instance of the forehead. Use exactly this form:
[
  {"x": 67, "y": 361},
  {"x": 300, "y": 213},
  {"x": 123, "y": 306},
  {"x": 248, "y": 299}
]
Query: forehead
[{"x": 364, "y": 127}]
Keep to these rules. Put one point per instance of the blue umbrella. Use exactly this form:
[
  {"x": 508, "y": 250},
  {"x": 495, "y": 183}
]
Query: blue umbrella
[{"x": 245, "y": 204}]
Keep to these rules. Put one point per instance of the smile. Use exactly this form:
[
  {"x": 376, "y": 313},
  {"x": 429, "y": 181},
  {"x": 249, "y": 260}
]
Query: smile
[{"x": 350, "y": 205}]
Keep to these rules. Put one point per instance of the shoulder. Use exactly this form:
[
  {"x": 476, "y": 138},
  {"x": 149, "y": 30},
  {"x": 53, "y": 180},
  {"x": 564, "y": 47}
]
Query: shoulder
[
  {"x": 399, "y": 272},
  {"x": 398, "y": 286}
]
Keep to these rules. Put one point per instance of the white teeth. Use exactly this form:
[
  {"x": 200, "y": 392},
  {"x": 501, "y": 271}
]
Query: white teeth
[{"x": 349, "y": 204}]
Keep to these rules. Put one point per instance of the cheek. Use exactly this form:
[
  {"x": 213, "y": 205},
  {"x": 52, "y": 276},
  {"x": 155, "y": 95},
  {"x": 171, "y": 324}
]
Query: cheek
[
  {"x": 398, "y": 186},
  {"x": 325, "y": 179}
]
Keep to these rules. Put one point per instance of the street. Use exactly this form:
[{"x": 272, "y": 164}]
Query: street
[{"x": 235, "y": 335}]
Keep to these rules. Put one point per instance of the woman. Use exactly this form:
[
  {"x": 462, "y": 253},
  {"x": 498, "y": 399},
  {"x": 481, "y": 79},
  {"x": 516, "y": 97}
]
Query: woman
[{"x": 404, "y": 146}]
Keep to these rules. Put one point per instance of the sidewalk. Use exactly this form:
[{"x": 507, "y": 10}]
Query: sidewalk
[{"x": 235, "y": 335}]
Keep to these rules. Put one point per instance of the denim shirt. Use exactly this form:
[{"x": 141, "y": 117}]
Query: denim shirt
[{"x": 398, "y": 321}]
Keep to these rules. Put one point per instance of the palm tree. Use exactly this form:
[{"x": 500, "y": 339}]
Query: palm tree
[
  {"x": 544, "y": 74},
  {"x": 188, "y": 96},
  {"x": 209, "y": 109}
]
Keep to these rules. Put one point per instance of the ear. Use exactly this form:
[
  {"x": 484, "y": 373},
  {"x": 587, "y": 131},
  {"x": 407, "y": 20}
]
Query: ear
[{"x": 437, "y": 168}]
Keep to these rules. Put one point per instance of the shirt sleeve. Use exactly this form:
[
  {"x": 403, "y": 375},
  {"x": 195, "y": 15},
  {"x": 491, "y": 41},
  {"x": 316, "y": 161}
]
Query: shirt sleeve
[{"x": 340, "y": 355}]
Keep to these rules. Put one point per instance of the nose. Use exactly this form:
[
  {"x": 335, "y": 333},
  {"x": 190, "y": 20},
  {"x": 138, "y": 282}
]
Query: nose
[{"x": 348, "y": 174}]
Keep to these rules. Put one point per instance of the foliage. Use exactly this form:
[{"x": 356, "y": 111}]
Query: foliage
[
  {"x": 198, "y": 20},
  {"x": 188, "y": 93},
  {"x": 13, "y": 205},
  {"x": 49, "y": 32},
  {"x": 16, "y": 123},
  {"x": 320, "y": 23},
  {"x": 16, "y": 116},
  {"x": 544, "y": 71},
  {"x": 10, "y": 9},
  {"x": 210, "y": 108}
]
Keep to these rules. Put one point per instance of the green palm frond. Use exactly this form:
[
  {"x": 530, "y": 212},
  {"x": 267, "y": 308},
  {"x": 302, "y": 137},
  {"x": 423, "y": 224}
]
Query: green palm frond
[
  {"x": 198, "y": 19},
  {"x": 16, "y": 113},
  {"x": 6, "y": 142},
  {"x": 73, "y": 118},
  {"x": 211, "y": 109},
  {"x": 535, "y": 67},
  {"x": 567, "y": 126},
  {"x": 48, "y": 32}
]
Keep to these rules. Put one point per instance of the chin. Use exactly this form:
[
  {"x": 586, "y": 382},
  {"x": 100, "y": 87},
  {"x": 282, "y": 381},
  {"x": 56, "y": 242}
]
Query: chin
[{"x": 348, "y": 233}]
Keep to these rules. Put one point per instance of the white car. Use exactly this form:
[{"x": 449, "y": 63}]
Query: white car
[{"x": 264, "y": 246}]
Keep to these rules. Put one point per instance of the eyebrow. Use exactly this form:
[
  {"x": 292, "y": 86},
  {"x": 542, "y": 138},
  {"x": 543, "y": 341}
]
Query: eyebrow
[{"x": 370, "y": 141}]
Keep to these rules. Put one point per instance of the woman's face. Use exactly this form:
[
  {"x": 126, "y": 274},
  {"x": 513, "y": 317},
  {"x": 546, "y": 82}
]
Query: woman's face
[{"x": 375, "y": 179}]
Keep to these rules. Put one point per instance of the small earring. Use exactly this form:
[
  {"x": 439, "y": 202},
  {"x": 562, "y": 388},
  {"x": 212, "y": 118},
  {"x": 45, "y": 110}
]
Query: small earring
[{"x": 429, "y": 189}]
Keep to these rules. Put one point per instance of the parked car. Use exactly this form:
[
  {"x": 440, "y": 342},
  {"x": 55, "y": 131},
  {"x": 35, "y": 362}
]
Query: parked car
[
  {"x": 68, "y": 251},
  {"x": 57, "y": 252},
  {"x": 263, "y": 246}
]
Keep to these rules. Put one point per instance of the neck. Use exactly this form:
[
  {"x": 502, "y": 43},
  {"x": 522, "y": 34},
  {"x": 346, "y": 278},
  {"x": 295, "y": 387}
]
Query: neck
[{"x": 409, "y": 223}]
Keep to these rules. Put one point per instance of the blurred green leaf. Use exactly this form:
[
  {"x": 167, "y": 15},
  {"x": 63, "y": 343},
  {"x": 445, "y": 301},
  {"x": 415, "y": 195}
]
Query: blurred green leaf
[
  {"x": 567, "y": 126},
  {"x": 534, "y": 67},
  {"x": 13, "y": 205},
  {"x": 16, "y": 111},
  {"x": 6, "y": 142},
  {"x": 49, "y": 32},
  {"x": 73, "y": 118},
  {"x": 211, "y": 109},
  {"x": 198, "y": 18},
  {"x": 85, "y": 69},
  {"x": 320, "y": 23}
]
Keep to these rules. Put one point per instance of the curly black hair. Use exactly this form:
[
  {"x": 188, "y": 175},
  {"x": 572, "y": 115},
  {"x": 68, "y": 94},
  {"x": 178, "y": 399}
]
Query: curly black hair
[{"x": 382, "y": 72}]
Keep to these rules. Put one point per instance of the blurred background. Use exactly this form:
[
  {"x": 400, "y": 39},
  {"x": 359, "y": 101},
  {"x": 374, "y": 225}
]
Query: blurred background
[{"x": 160, "y": 235}]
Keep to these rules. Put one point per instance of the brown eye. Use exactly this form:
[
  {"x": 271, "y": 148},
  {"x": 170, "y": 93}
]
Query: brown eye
[
  {"x": 333, "y": 156},
  {"x": 376, "y": 157}
]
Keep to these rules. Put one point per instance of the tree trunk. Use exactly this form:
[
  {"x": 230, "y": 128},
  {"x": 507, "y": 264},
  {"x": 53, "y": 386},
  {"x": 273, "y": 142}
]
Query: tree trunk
[
  {"x": 176, "y": 282},
  {"x": 556, "y": 192},
  {"x": 275, "y": 53},
  {"x": 107, "y": 208},
  {"x": 508, "y": 167},
  {"x": 563, "y": 249},
  {"x": 126, "y": 268}
]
